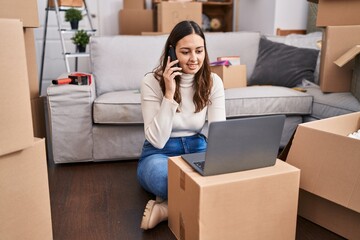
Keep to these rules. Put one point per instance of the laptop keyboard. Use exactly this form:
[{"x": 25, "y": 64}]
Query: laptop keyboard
[{"x": 200, "y": 164}]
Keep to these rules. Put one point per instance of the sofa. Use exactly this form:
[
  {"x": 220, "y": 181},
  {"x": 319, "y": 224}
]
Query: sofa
[{"x": 103, "y": 121}]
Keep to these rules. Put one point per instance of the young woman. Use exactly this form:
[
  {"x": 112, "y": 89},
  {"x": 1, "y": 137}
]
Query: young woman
[{"x": 176, "y": 99}]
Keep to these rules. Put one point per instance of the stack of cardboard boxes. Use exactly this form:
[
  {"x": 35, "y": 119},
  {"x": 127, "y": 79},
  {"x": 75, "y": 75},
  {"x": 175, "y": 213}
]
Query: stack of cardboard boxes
[
  {"x": 327, "y": 156},
  {"x": 170, "y": 13},
  {"x": 134, "y": 18},
  {"x": 24, "y": 190}
]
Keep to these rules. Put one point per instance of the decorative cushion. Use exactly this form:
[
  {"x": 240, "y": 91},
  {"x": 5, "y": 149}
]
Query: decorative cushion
[
  {"x": 283, "y": 65},
  {"x": 309, "y": 40}
]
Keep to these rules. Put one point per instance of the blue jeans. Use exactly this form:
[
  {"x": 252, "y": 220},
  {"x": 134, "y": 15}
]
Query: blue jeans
[{"x": 152, "y": 171}]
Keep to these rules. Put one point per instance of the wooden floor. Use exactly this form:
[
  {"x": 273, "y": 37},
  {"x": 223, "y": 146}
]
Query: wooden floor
[{"x": 103, "y": 201}]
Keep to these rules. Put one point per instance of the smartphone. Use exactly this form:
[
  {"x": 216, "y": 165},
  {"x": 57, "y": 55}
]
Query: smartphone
[{"x": 172, "y": 55}]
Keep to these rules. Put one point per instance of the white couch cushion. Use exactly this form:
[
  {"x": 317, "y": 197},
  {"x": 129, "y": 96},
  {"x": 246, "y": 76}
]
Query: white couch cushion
[
  {"x": 116, "y": 69},
  {"x": 120, "y": 107},
  {"x": 331, "y": 104},
  {"x": 262, "y": 100},
  {"x": 124, "y": 107},
  {"x": 118, "y": 64}
]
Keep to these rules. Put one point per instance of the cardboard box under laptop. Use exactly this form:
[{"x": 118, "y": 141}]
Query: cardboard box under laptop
[
  {"x": 330, "y": 171},
  {"x": 171, "y": 13},
  {"x": 254, "y": 204},
  {"x": 16, "y": 120},
  {"x": 338, "y": 13},
  {"x": 136, "y": 21},
  {"x": 24, "y": 190},
  {"x": 352, "y": 54},
  {"x": 336, "y": 41},
  {"x": 25, "y": 11},
  {"x": 232, "y": 76}
]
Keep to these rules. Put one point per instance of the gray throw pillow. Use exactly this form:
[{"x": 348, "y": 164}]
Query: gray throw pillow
[{"x": 283, "y": 65}]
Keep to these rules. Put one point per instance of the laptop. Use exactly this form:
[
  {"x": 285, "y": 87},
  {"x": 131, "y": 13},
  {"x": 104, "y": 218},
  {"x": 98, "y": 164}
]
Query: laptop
[{"x": 239, "y": 144}]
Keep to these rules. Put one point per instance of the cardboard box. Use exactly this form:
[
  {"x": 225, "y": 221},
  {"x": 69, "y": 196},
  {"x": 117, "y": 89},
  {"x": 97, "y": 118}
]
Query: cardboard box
[
  {"x": 338, "y": 13},
  {"x": 32, "y": 67},
  {"x": 153, "y": 33},
  {"x": 329, "y": 160},
  {"x": 254, "y": 204},
  {"x": 26, "y": 11},
  {"x": 134, "y": 4},
  {"x": 171, "y": 13},
  {"x": 16, "y": 130},
  {"x": 336, "y": 41},
  {"x": 232, "y": 76},
  {"x": 67, "y": 3},
  {"x": 38, "y": 116},
  {"x": 338, "y": 219},
  {"x": 24, "y": 190},
  {"x": 134, "y": 21},
  {"x": 353, "y": 53}
]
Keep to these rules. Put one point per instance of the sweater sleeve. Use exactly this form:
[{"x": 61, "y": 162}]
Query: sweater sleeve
[
  {"x": 216, "y": 109},
  {"x": 158, "y": 112}
]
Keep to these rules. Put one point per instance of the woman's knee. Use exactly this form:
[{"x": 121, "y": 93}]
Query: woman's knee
[{"x": 152, "y": 174}]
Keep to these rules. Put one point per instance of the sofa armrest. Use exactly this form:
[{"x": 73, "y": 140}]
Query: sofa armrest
[{"x": 70, "y": 122}]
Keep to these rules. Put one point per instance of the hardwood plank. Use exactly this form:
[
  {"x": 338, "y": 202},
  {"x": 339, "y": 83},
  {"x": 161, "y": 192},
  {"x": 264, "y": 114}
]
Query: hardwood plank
[{"x": 105, "y": 201}]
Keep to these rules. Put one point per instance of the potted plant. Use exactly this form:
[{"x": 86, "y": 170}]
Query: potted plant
[
  {"x": 73, "y": 16},
  {"x": 81, "y": 39}
]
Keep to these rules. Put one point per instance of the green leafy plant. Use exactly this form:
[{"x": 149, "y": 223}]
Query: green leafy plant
[
  {"x": 73, "y": 14},
  {"x": 81, "y": 38}
]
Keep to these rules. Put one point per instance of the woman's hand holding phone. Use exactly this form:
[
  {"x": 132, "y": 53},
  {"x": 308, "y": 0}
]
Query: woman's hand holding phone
[{"x": 172, "y": 70}]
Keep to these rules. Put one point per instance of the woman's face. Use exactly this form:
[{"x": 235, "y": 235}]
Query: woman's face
[{"x": 190, "y": 51}]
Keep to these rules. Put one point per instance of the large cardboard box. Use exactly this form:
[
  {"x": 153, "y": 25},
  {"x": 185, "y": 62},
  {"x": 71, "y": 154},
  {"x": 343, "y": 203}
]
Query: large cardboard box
[
  {"x": 341, "y": 220},
  {"x": 254, "y": 204},
  {"x": 24, "y": 190},
  {"x": 336, "y": 41},
  {"x": 171, "y": 13},
  {"x": 38, "y": 116},
  {"x": 26, "y": 11},
  {"x": 16, "y": 130},
  {"x": 134, "y": 4},
  {"x": 352, "y": 54},
  {"x": 31, "y": 62},
  {"x": 136, "y": 21},
  {"x": 232, "y": 76},
  {"x": 338, "y": 13},
  {"x": 329, "y": 161},
  {"x": 66, "y": 3}
]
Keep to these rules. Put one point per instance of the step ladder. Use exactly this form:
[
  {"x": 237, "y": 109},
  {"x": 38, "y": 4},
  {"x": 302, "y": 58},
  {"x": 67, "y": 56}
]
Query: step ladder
[{"x": 62, "y": 31}]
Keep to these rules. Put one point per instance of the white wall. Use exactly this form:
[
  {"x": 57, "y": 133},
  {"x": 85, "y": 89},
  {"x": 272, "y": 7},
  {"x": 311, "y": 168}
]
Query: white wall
[
  {"x": 266, "y": 16},
  {"x": 291, "y": 14}
]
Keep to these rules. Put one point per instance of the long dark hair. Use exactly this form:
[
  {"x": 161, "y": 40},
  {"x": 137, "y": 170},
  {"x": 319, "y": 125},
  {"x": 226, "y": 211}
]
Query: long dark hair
[{"x": 202, "y": 81}]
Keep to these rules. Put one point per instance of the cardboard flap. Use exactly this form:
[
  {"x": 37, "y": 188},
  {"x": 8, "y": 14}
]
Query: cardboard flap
[{"x": 348, "y": 56}]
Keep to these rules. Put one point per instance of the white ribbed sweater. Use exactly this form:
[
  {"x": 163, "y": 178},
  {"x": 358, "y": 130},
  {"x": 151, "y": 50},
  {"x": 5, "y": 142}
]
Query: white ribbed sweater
[{"x": 161, "y": 121}]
